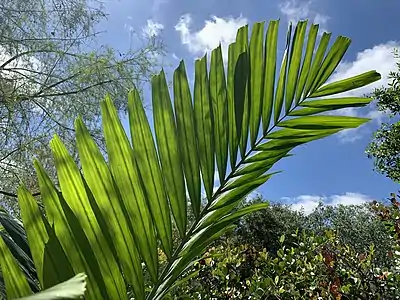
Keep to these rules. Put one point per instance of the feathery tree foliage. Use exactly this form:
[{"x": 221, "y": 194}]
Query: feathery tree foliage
[{"x": 52, "y": 69}]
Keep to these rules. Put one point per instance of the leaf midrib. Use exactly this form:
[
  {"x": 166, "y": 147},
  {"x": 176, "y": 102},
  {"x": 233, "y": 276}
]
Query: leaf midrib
[{"x": 214, "y": 196}]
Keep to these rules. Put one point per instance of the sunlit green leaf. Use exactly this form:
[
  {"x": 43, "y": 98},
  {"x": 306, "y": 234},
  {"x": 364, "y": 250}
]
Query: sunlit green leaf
[
  {"x": 51, "y": 264},
  {"x": 256, "y": 56},
  {"x": 271, "y": 43},
  {"x": 73, "y": 288},
  {"x": 125, "y": 172},
  {"x": 70, "y": 235},
  {"x": 232, "y": 79},
  {"x": 238, "y": 193},
  {"x": 218, "y": 94},
  {"x": 74, "y": 193},
  {"x": 281, "y": 86},
  {"x": 318, "y": 106},
  {"x": 204, "y": 124},
  {"x": 14, "y": 279},
  {"x": 296, "y": 55},
  {"x": 170, "y": 156},
  {"x": 331, "y": 61},
  {"x": 305, "y": 68},
  {"x": 102, "y": 186},
  {"x": 241, "y": 88},
  {"x": 316, "y": 62},
  {"x": 186, "y": 133},
  {"x": 347, "y": 84},
  {"x": 323, "y": 122}
]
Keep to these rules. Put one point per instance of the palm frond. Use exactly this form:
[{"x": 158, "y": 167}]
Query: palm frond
[{"x": 111, "y": 220}]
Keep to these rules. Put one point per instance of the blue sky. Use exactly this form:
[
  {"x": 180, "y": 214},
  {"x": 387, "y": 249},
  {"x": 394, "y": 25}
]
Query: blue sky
[{"x": 334, "y": 169}]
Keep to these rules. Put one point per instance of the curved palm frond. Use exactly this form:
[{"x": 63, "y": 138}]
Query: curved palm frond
[
  {"x": 110, "y": 221},
  {"x": 14, "y": 237}
]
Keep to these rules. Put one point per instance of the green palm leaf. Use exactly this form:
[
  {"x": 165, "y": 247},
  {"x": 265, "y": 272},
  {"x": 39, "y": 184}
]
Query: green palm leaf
[
  {"x": 256, "y": 55},
  {"x": 70, "y": 235},
  {"x": 102, "y": 185},
  {"x": 112, "y": 220},
  {"x": 186, "y": 135},
  {"x": 241, "y": 88},
  {"x": 47, "y": 252},
  {"x": 270, "y": 50},
  {"x": 14, "y": 236},
  {"x": 15, "y": 282},
  {"x": 204, "y": 124},
  {"x": 73, "y": 288},
  {"x": 170, "y": 157},
  {"x": 125, "y": 171},
  {"x": 149, "y": 168},
  {"x": 219, "y": 102},
  {"x": 76, "y": 196}
]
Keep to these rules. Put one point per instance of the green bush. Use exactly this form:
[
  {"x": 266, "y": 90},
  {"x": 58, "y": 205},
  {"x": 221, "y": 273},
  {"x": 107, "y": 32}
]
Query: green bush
[{"x": 315, "y": 267}]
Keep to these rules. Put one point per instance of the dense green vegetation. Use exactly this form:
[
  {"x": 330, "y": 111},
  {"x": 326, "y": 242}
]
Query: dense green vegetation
[
  {"x": 128, "y": 220},
  {"x": 344, "y": 252},
  {"x": 385, "y": 146}
]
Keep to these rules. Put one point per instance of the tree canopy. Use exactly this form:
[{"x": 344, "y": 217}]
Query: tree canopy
[{"x": 54, "y": 68}]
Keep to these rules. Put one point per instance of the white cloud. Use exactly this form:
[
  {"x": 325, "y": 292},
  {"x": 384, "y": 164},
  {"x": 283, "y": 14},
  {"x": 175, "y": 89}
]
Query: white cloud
[
  {"x": 379, "y": 58},
  {"x": 215, "y": 31},
  {"x": 296, "y": 10},
  {"x": 308, "y": 203},
  {"x": 152, "y": 29}
]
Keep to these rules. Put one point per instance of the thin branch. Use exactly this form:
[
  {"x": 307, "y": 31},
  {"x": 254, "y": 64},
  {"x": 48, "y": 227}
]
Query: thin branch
[
  {"x": 18, "y": 69},
  {"x": 12, "y": 195},
  {"x": 51, "y": 116},
  {"x": 10, "y": 153},
  {"x": 33, "y": 52},
  {"x": 50, "y": 39},
  {"x": 73, "y": 92}
]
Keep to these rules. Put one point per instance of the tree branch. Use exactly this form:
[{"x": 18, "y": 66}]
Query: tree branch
[{"x": 12, "y": 195}]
